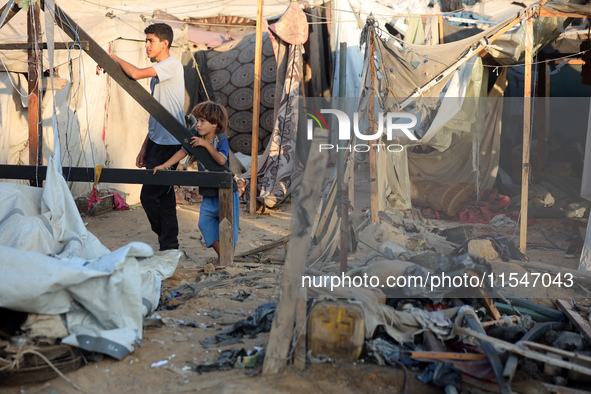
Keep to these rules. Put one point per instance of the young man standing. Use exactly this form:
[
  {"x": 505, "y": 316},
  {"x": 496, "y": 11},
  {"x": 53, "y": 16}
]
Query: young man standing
[{"x": 168, "y": 87}]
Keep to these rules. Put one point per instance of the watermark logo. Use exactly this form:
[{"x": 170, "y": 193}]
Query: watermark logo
[
  {"x": 393, "y": 122},
  {"x": 317, "y": 117}
]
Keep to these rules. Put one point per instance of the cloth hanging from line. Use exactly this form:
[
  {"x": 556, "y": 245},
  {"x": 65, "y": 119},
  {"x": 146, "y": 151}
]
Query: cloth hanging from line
[{"x": 275, "y": 173}]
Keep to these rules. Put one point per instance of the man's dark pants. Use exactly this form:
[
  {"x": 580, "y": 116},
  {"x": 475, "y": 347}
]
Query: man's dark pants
[{"x": 159, "y": 202}]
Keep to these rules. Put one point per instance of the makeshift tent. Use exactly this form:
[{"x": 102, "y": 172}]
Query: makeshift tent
[
  {"x": 99, "y": 123},
  {"x": 457, "y": 116}
]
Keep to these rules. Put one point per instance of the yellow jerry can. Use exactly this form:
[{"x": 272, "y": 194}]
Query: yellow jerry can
[{"x": 336, "y": 329}]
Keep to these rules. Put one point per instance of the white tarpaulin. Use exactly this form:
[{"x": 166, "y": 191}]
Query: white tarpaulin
[{"x": 52, "y": 265}]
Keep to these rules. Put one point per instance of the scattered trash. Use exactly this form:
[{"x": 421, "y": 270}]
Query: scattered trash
[
  {"x": 159, "y": 363},
  {"x": 242, "y": 295},
  {"x": 260, "y": 322},
  {"x": 230, "y": 359}
]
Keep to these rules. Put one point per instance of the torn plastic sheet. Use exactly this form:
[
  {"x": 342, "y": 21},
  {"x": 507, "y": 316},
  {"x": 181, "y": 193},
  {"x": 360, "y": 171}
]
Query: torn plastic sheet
[
  {"x": 232, "y": 358},
  {"x": 441, "y": 375},
  {"x": 103, "y": 294},
  {"x": 456, "y": 266},
  {"x": 386, "y": 353},
  {"x": 260, "y": 322}
]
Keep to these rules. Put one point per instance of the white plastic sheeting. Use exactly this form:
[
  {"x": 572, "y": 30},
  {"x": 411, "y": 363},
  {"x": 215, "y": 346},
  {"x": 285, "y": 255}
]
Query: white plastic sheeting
[{"x": 52, "y": 265}]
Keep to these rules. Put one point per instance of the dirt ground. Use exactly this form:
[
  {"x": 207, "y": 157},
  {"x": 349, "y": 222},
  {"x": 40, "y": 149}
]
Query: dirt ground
[
  {"x": 178, "y": 344},
  {"x": 176, "y": 341}
]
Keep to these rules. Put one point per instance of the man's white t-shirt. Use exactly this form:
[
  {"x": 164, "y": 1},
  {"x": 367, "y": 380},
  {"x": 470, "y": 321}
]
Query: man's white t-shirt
[{"x": 169, "y": 89}]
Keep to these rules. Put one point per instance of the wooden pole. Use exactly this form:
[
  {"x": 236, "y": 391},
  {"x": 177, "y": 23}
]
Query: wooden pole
[
  {"x": 440, "y": 24},
  {"x": 8, "y": 11},
  {"x": 541, "y": 128},
  {"x": 547, "y": 99},
  {"x": 282, "y": 329},
  {"x": 342, "y": 190},
  {"x": 34, "y": 88},
  {"x": 256, "y": 109},
  {"x": 525, "y": 169},
  {"x": 226, "y": 226},
  {"x": 373, "y": 157}
]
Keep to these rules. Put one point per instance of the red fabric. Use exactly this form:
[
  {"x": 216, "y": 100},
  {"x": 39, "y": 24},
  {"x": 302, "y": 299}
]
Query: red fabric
[
  {"x": 120, "y": 204},
  {"x": 94, "y": 198},
  {"x": 489, "y": 205}
]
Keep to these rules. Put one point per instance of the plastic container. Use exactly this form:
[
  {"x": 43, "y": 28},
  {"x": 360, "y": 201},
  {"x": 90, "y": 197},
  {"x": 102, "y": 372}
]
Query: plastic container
[{"x": 336, "y": 329}]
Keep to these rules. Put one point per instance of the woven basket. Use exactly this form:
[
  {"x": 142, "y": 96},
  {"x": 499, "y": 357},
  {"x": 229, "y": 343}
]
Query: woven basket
[
  {"x": 34, "y": 369},
  {"x": 107, "y": 203}
]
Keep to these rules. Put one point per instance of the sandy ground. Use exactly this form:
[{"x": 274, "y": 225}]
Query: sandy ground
[{"x": 178, "y": 343}]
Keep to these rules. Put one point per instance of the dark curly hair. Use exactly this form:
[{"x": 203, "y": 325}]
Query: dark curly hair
[{"x": 162, "y": 31}]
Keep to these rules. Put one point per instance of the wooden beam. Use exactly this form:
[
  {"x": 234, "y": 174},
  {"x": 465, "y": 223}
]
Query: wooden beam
[
  {"x": 550, "y": 13},
  {"x": 282, "y": 329},
  {"x": 226, "y": 227},
  {"x": 422, "y": 355},
  {"x": 550, "y": 349},
  {"x": 486, "y": 324},
  {"x": 440, "y": 25},
  {"x": 547, "y": 79},
  {"x": 254, "y": 160},
  {"x": 481, "y": 47},
  {"x": 583, "y": 277},
  {"x": 489, "y": 304},
  {"x": 582, "y": 325},
  {"x": 43, "y": 45},
  {"x": 35, "y": 97},
  {"x": 541, "y": 127},
  {"x": 300, "y": 331},
  {"x": 275, "y": 244},
  {"x": 8, "y": 11},
  {"x": 503, "y": 345},
  {"x": 552, "y": 388},
  {"x": 373, "y": 156},
  {"x": 135, "y": 90},
  {"x": 525, "y": 169},
  {"x": 118, "y": 175}
]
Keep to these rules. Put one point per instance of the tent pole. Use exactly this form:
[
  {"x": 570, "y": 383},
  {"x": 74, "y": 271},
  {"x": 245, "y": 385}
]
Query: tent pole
[
  {"x": 35, "y": 79},
  {"x": 525, "y": 169},
  {"x": 373, "y": 157},
  {"x": 8, "y": 11},
  {"x": 541, "y": 130},
  {"x": 342, "y": 190},
  {"x": 256, "y": 109},
  {"x": 440, "y": 24},
  {"x": 542, "y": 148}
]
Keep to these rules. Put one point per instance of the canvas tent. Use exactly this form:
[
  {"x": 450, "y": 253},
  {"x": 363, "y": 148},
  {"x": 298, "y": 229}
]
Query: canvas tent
[{"x": 99, "y": 124}]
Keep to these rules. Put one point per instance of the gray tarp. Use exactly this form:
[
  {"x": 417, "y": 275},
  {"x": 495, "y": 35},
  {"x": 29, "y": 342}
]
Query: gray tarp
[{"x": 52, "y": 265}]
